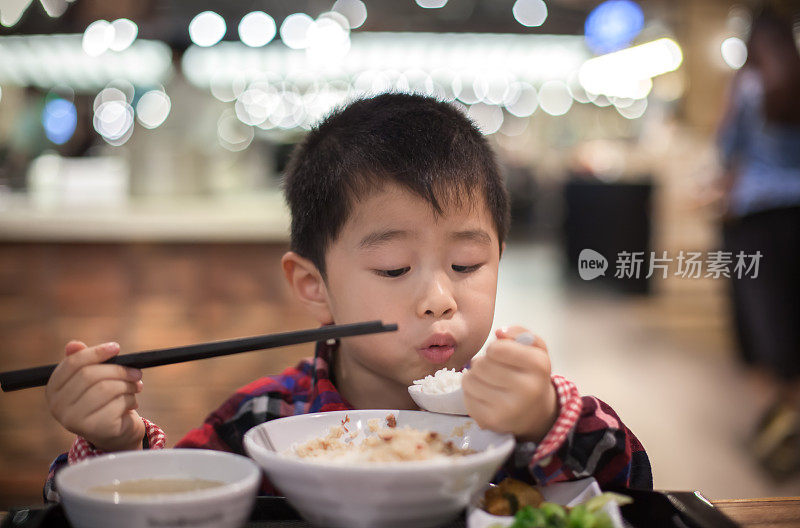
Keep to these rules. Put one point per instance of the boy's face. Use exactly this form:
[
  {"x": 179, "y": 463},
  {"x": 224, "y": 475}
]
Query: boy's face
[{"x": 436, "y": 277}]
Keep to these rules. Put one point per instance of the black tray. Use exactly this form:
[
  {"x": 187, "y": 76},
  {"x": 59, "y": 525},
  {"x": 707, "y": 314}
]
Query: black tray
[
  {"x": 269, "y": 512},
  {"x": 650, "y": 509}
]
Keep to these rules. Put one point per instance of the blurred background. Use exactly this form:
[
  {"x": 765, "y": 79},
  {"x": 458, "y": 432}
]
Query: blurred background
[{"x": 141, "y": 150}]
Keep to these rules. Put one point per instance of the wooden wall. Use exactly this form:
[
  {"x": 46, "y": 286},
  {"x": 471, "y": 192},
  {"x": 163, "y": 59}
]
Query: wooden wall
[{"x": 143, "y": 296}]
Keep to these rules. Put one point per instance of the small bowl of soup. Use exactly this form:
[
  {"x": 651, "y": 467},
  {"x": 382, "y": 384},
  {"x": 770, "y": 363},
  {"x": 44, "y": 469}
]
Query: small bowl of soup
[{"x": 168, "y": 487}]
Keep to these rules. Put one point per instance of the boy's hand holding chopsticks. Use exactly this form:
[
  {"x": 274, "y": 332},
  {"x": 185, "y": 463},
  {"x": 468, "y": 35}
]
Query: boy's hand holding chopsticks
[
  {"x": 97, "y": 400},
  {"x": 92, "y": 392}
]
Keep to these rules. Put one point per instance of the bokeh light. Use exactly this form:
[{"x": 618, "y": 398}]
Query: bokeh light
[
  {"x": 739, "y": 20},
  {"x": 622, "y": 102},
  {"x": 463, "y": 86},
  {"x": 256, "y": 104},
  {"x": 554, "y": 98},
  {"x": 514, "y": 126},
  {"x": 372, "y": 82},
  {"x": 232, "y": 134},
  {"x": 113, "y": 120},
  {"x": 276, "y": 88},
  {"x": 419, "y": 81},
  {"x": 125, "y": 32},
  {"x": 207, "y": 28},
  {"x": 97, "y": 38},
  {"x": 108, "y": 95},
  {"x": 524, "y": 100},
  {"x": 328, "y": 38},
  {"x": 294, "y": 30},
  {"x": 289, "y": 113},
  {"x": 493, "y": 86},
  {"x": 222, "y": 88},
  {"x": 600, "y": 100},
  {"x": 226, "y": 89},
  {"x": 113, "y": 114},
  {"x": 633, "y": 111},
  {"x": 59, "y": 119},
  {"x": 354, "y": 10},
  {"x": 256, "y": 29},
  {"x": 153, "y": 108},
  {"x": 577, "y": 91},
  {"x": 488, "y": 118},
  {"x": 125, "y": 87},
  {"x": 629, "y": 72},
  {"x": 530, "y": 13},
  {"x": 613, "y": 25},
  {"x": 431, "y": 4},
  {"x": 734, "y": 52},
  {"x": 443, "y": 77}
]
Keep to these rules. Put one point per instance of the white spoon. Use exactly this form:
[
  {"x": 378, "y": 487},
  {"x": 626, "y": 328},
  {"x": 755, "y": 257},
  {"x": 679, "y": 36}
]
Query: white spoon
[{"x": 452, "y": 402}]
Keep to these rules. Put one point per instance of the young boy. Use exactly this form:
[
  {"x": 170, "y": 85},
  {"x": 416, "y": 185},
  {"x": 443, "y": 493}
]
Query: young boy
[{"x": 398, "y": 213}]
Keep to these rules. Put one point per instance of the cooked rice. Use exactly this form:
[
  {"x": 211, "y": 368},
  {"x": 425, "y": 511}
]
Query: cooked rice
[
  {"x": 381, "y": 443},
  {"x": 443, "y": 380}
]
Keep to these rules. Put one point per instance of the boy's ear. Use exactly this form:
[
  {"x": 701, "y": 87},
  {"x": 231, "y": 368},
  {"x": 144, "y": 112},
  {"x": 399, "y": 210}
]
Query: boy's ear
[
  {"x": 308, "y": 287},
  {"x": 502, "y": 249}
]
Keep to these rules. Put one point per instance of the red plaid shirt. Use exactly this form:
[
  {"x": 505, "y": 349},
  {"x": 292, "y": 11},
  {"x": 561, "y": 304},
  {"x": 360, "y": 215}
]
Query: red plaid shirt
[{"x": 587, "y": 439}]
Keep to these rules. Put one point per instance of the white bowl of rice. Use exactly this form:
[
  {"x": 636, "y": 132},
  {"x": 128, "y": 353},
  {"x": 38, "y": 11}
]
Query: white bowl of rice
[{"x": 387, "y": 468}]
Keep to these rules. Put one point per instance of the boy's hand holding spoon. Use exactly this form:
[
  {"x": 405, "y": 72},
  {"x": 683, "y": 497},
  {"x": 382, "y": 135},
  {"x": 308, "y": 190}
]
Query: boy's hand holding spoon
[{"x": 508, "y": 389}]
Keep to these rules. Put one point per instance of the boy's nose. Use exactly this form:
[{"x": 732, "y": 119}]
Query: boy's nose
[{"x": 438, "y": 300}]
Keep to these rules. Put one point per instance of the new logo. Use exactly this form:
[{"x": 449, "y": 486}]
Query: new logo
[{"x": 591, "y": 264}]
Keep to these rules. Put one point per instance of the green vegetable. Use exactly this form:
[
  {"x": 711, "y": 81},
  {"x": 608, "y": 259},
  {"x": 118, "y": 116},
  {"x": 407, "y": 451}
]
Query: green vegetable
[
  {"x": 551, "y": 515},
  {"x": 553, "y": 511},
  {"x": 603, "y": 521},
  {"x": 596, "y": 503},
  {"x": 586, "y": 515},
  {"x": 580, "y": 517},
  {"x": 529, "y": 517}
]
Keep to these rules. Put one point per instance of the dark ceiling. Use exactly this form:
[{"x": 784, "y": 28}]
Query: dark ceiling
[{"x": 168, "y": 20}]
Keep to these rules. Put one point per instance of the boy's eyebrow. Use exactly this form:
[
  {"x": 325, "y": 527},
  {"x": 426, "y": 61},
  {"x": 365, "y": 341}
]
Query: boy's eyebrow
[
  {"x": 377, "y": 238},
  {"x": 472, "y": 235}
]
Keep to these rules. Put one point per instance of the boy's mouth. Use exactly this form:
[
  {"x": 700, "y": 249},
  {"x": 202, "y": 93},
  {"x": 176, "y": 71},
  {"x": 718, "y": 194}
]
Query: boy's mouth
[{"x": 438, "y": 348}]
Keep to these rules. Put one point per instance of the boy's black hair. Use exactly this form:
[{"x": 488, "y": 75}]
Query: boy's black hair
[{"x": 423, "y": 145}]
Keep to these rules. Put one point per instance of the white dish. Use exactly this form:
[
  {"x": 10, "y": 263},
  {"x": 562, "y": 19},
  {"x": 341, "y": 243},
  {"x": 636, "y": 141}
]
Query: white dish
[
  {"x": 445, "y": 403},
  {"x": 400, "y": 494},
  {"x": 226, "y": 506},
  {"x": 564, "y": 493}
]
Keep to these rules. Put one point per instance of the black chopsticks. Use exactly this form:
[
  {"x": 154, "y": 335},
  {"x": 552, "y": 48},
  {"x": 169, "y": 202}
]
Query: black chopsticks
[{"x": 38, "y": 376}]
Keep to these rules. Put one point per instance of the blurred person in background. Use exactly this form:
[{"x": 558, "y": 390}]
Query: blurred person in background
[
  {"x": 760, "y": 146},
  {"x": 25, "y": 142}
]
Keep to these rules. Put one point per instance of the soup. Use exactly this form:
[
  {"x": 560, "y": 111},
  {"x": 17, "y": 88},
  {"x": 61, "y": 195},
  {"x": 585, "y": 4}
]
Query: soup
[{"x": 143, "y": 488}]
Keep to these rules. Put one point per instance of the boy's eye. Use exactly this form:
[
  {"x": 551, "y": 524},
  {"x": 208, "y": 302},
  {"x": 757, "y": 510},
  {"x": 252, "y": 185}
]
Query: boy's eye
[
  {"x": 394, "y": 272},
  {"x": 466, "y": 269}
]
